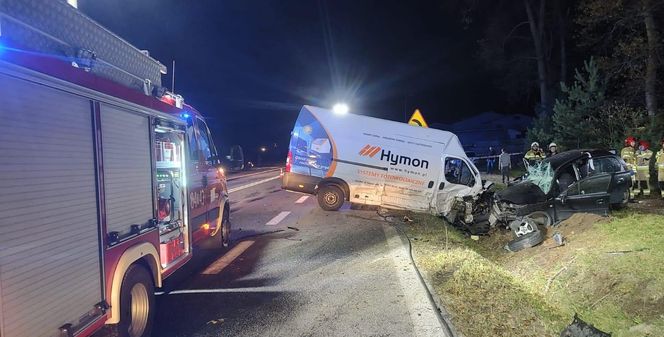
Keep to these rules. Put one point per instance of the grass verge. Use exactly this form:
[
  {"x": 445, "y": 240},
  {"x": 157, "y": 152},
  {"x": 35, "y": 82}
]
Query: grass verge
[{"x": 609, "y": 272}]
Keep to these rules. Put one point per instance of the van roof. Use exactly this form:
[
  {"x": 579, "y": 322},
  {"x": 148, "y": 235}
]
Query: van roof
[{"x": 449, "y": 142}]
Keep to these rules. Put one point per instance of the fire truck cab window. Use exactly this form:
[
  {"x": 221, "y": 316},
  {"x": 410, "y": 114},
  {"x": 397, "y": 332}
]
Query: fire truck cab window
[
  {"x": 204, "y": 144},
  {"x": 458, "y": 172}
]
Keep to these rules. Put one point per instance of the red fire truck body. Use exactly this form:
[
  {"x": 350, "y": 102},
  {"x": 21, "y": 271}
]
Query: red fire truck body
[{"x": 108, "y": 183}]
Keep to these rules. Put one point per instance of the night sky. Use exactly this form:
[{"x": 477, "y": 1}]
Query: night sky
[{"x": 249, "y": 65}]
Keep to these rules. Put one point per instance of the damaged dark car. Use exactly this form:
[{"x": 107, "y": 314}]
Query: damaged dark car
[{"x": 588, "y": 181}]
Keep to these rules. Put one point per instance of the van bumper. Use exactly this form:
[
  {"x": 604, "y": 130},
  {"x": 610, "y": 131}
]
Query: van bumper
[{"x": 299, "y": 182}]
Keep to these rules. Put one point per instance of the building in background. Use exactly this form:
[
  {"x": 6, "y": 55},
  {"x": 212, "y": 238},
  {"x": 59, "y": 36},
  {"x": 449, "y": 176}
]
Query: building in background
[{"x": 490, "y": 128}]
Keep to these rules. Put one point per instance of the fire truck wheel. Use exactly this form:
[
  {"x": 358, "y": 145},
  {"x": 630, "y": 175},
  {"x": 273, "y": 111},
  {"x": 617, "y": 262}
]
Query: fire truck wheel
[
  {"x": 330, "y": 197},
  {"x": 137, "y": 303},
  {"x": 226, "y": 228}
]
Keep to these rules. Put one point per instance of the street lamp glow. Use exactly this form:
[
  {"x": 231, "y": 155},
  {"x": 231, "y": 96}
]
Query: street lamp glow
[
  {"x": 340, "y": 108},
  {"x": 263, "y": 148}
]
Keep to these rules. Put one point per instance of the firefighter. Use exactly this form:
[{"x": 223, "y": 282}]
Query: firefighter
[
  {"x": 628, "y": 154},
  {"x": 643, "y": 156},
  {"x": 553, "y": 150},
  {"x": 659, "y": 161},
  {"x": 535, "y": 154}
]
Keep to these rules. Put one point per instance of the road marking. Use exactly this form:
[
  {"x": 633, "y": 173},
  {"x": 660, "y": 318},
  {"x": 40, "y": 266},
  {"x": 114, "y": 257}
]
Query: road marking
[
  {"x": 277, "y": 219},
  {"x": 234, "y": 177},
  {"x": 420, "y": 309},
  {"x": 302, "y": 199},
  {"x": 217, "y": 266},
  {"x": 239, "y": 188}
]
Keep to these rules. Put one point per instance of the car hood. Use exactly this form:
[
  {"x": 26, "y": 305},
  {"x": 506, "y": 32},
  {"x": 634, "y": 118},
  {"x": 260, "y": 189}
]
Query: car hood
[{"x": 522, "y": 193}]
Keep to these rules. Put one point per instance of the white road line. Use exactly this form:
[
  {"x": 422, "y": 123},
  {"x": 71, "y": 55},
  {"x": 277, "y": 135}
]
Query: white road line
[
  {"x": 217, "y": 266},
  {"x": 233, "y": 177},
  {"x": 277, "y": 219},
  {"x": 302, "y": 199},
  {"x": 235, "y": 189},
  {"x": 421, "y": 310}
]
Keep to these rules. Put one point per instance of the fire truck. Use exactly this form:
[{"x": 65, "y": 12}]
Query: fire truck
[{"x": 108, "y": 182}]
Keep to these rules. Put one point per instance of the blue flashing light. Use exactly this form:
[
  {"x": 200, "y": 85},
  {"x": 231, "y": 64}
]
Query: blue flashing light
[
  {"x": 2, "y": 48},
  {"x": 185, "y": 115}
]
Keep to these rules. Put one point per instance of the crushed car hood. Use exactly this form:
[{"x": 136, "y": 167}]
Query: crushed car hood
[{"x": 522, "y": 193}]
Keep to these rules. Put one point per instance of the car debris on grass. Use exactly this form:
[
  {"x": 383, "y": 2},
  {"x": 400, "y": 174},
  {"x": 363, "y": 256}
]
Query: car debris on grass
[{"x": 537, "y": 292}]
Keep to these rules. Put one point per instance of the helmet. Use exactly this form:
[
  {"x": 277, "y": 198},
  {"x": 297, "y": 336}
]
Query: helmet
[
  {"x": 534, "y": 144},
  {"x": 552, "y": 145},
  {"x": 645, "y": 144},
  {"x": 629, "y": 140}
]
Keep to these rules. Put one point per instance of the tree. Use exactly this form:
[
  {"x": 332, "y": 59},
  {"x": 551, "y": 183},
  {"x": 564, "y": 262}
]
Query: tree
[
  {"x": 575, "y": 113},
  {"x": 624, "y": 34},
  {"x": 518, "y": 44}
]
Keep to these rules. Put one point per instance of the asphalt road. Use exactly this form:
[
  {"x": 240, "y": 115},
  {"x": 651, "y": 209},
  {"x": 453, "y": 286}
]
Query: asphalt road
[{"x": 296, "y": 270}]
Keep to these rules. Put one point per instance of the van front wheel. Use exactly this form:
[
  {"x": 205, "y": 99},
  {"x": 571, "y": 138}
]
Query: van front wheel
[{"x": 330, "y": 198}]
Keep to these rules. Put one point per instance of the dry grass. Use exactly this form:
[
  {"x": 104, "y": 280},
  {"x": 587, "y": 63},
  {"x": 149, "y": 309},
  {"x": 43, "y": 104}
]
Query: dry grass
[{"x": 609, "y": 272}]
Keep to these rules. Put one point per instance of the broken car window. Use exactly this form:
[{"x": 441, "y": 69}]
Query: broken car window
[{"x": 541, "y": 175}]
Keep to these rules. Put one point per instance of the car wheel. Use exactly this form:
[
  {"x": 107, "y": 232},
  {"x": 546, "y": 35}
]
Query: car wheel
[
  {"x": 330, "y": 198},
  {"x": 523, "y": 226},
  {"x": 137, "y": 303},
  {"x": 526, "y": 241},
  {"x": 541, "y": 218},
  {"x": 226, "y": 228}
]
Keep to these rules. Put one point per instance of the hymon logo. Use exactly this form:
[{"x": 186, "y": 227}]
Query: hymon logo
[{"x": 392, "y": 158}]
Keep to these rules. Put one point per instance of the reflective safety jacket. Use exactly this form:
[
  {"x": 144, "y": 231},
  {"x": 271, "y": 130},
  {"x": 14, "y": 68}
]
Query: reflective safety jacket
[
  {"x": 534, "y": 155},
  {"x": 629, "y": 156},
  {"x": 659, "y": 161},
  {"x": 643, "y": 165}
]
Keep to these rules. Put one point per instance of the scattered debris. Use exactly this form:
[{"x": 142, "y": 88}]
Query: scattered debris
[
  {"x": 216, "y": 321},
  {"x": 579, "y": 328},
  {"x": 293, "y": 228},
  {"x": 558, "y": 239},
  {"x": 620, "y": 252},
  {"x": 407, "y": 219},
  {"x": 475, "y": 237},
  {"x": 550, "y": 280}
]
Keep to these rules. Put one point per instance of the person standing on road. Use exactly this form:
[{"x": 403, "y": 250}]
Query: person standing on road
[
  {"x": 553, "y": 150},
  {"x": 659, "y": 162},
  {"x": 643, "y": 157},
  {"x": 491, "y": 161},
  {"x": 628, "y": 154},
  {"x": 505, "y": 165}
]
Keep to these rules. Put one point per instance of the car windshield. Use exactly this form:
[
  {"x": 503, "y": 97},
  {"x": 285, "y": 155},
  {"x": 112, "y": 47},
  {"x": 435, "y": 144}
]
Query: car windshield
[{"x": 541, "y": 174}]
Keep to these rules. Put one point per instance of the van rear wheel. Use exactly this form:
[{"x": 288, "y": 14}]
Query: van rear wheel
[
  {"x": 330, "y": 198},
  {"x": 137, "y": 303}
]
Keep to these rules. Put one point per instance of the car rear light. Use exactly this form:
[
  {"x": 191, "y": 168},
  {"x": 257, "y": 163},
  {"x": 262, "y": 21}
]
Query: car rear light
[{"x": 289, "y": 159}]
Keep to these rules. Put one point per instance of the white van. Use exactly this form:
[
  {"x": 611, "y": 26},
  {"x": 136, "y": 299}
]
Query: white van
[{"x": 373, "y": 161}]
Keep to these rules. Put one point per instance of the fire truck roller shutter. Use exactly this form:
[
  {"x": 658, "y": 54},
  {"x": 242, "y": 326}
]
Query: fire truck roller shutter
[
  {"x": 49, "y": 233},
  {"x": 127, "y": 169}
]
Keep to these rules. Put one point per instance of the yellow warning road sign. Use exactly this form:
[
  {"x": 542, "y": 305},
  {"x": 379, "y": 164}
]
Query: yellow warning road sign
[{"x": 417, "y": 119}]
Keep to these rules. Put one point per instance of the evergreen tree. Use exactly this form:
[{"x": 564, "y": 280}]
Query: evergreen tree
[{"x": 578, "y": 111}]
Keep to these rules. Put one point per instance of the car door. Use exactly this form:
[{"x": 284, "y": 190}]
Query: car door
[
  {"x": 588, "y": 195},
  {"x": 457, "y": 179},
  {"x": 212, "y": 179},
  {"x": 622, "y": 180}
]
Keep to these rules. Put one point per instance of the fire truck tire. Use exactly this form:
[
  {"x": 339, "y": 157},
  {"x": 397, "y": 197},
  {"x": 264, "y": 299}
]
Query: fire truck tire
[
  {"x": 137, "y": 303},
  {"x": 330, "y": 198},
  {"x": 226, "y": 228}
]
